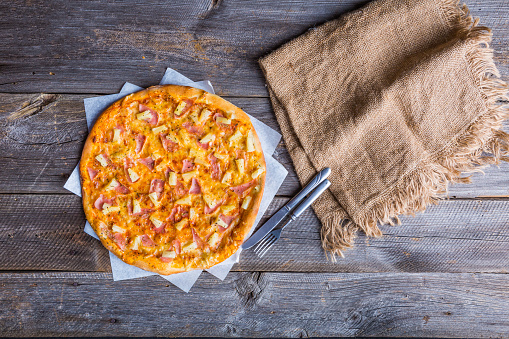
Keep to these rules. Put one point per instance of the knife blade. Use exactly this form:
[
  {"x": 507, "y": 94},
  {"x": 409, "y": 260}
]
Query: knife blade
[{"x": 285, "y": 210}]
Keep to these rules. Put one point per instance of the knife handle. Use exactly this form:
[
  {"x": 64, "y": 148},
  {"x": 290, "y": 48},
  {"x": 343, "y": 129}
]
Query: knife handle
[
  {"x": 321, "y": 176},
  {"x": 309, "y": 200}
]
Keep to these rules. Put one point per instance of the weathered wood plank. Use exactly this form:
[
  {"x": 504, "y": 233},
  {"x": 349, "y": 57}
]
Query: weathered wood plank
[
  {"x": 456, "y": 236},
  {"x": 94, "y": 46},
  {"x": 41, "y": 138},
  {"x": 257, "y": 305}
]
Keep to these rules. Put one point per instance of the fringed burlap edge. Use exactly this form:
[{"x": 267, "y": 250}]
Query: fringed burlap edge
[{"x": 482, "y": 144}]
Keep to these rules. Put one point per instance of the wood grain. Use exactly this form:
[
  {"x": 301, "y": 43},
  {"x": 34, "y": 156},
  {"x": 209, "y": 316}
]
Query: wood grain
[
  {"x": 42, "y": 135},
  {"x": 257, "y": 305},
  {"x": 95, "y": 46},
  {"x": 455, "y": 236}
]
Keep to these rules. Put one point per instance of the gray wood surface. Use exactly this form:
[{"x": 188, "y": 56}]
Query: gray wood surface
[
  {"x": 455, "y": 236},
  {"x": 94, "y": 46},
  {"x": 443, "y": 273},
  {"x": 42, "y": 136},
  {"x": 257, "y": 305}
]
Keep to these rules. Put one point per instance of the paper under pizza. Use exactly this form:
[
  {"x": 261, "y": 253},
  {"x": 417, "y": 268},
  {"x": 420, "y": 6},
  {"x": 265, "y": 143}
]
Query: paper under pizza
[{"x": 172, "y": 178}]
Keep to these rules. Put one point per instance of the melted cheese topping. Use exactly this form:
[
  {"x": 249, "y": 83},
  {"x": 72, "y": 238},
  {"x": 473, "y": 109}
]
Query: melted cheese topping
[{"x": 175, "y": 197}]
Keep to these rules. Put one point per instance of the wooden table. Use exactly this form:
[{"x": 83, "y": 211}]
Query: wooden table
[{"x": 443, "y": 273}]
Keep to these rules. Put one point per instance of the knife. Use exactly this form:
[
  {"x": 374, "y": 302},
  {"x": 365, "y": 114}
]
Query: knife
[{"x": 285, "y": 210}]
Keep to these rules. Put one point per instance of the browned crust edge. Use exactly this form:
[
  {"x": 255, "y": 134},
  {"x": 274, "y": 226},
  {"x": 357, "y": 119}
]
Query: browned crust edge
[{"x": 200, "y": 96}]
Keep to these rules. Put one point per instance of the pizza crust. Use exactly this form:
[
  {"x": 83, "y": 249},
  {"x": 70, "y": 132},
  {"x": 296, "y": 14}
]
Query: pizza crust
[{"x": 179, "y": 92}]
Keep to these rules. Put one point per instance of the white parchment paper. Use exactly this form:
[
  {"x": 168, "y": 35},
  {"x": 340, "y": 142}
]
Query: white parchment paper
[{"x": 275, "y": 176}]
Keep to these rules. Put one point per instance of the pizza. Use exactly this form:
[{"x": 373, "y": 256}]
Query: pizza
[{"x": 172, "y": 178}]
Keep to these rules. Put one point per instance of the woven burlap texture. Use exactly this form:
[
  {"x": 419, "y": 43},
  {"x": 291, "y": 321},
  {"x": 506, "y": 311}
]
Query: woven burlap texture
[{"x": 399, "y": 98}]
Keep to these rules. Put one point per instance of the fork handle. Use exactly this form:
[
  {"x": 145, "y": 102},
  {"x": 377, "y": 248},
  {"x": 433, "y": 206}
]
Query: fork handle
[{"x": 309, "y": 200}]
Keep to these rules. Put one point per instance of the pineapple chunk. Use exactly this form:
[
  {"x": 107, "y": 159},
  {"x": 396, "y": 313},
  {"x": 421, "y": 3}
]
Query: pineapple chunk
[
  {"x": 240, "y": 165},
  {"x": 223, "y": 120},
  {"x": 221, "y": 156},
  {"x": 144, "y": 115},
  {"x": 246, "y": 202},
  {"x": 107, "y": 209},
  {"x": 168, "y": 254},
  {"x": 192, "y": 213},
  {"x": 180, "y": 108},
  {"x": 228, "y": 208},
  {"x": 189, "y": 175},
  {"x": 257, "y": 173},
  {"x": 232, "y": 114},
  {"x": 137, "y": 243},
  {"x": 111, "y": 186},
  {"x": 153, "y": 198},
  {"x": 211, "y": 202},
  {"x": 208, "y": 138},
  {"x": 118, "y": 229},
  {"x": 189, "y": 247},
  {"x": 172, "y": 178},
  {"x": 194, "y": 117},
  {"x": 250, "y": 144},
  {"x": 172, "y": 138},
  {"x": 102, "y": 160},
  {"x": 235, "y": 137},
  {"x": 214, "y": 240},
  {"x": 205, "y": 114},
  {"x": 195, "y": 152},
  {"x": 136, "y": 206},
  {"x": 227, "y": 177},
  {"x": 133, "y": 175},
  {"x": 187, "y": 200},
  {"x": 221, "y": 223},
  {"x": 201, "y": 161},
  {"x": 257, "y": 188},
  {"x": 159, "y": 129},
  {"x": 156, "y": 155},
  {"x": 157, "y": 223},
  {"x": 116, "y": 135},
  {"x": 180, "y": 225}
]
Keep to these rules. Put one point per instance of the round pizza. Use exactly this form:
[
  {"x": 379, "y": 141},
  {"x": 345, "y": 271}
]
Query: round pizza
[{"x": 172, "y": 178}]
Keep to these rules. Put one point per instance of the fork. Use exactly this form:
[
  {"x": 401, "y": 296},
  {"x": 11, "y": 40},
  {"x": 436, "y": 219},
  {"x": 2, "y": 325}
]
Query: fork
[{"x": 272, "y": 237}]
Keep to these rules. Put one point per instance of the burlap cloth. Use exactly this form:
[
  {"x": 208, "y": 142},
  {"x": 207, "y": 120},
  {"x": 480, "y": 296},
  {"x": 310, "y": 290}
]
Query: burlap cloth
[{"x": 398, "y": 98}]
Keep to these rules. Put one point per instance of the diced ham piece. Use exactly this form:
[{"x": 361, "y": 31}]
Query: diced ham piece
[
  {"x": 92, "y": 173},
  {"x": 209, "y": 210},
  {"x": 242, "y": 188},
  {"x": 215, "y": 169},
  {"x": 195, "y": 187},
  {"x": 168, "y": 145},
  {"x": 155, "y": 117},
  {"x": 120, "y": 127},
  {"x": 198, "y": 130},
  {"x": 159, "y": 229},
  {"x": 146, "y": 241},
  {"x": 167, "y": 172},
  {"x": 149, "y": 162},
  {"x": 121, "y": 240},
  {"x": 179, "y": 189},
  {"x": 240, "y": 154},
  {"x": 103, "y": 200},
  {"x": 172, "y": 215},
  {"x": 178, "y": 213},
  {"x": 140, "y": 141},
  {"x": 165, "y": 259},
  {"x": 128, "y": 164},
  {"x": 196, "y": 238},
  {"x": 121, "y": 189},
  {"x": 204, "y": 146},
  {"x": 130, "y": 207},
  {"x": 187, "y": 166},
  {"x": 157, "y": 185},
  {"x": 176, "y": 246}
]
